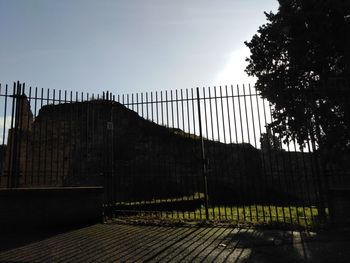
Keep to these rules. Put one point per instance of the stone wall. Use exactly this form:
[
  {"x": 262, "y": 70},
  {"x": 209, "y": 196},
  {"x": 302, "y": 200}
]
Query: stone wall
[{"x": 28, "y": 208}]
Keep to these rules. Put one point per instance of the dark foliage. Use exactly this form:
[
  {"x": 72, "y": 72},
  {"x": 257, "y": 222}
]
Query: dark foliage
[{"x": 301, "y": 58}]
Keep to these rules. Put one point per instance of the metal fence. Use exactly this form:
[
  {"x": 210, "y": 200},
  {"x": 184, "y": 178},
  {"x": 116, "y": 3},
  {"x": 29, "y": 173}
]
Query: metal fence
[{"x": 191, "y": 154}]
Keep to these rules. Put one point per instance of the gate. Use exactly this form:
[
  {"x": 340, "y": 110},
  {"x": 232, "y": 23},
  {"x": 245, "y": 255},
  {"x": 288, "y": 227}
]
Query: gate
[{"x": 193, "y": 154}]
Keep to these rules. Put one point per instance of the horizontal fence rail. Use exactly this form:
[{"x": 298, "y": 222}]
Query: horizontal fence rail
[{"x": 195, "y": 154}]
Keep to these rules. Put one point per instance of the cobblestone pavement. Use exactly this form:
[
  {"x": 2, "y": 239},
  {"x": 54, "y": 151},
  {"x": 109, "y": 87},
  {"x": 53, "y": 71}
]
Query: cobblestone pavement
[{"x": 132, "y": 243}]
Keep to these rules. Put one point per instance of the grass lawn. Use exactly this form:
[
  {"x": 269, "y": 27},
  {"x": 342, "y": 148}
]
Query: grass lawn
[{"x": 298, "y": 216}]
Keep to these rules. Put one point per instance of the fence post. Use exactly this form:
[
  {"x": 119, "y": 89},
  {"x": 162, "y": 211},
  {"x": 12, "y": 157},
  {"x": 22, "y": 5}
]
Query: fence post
[
  {"x": 204, "y": 165},
  {"x": 111, "y": 153},
  {"x": 14, "y": 155}
]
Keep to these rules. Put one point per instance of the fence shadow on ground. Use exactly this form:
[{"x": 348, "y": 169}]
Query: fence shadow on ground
[{"x": 134, "y": 243}]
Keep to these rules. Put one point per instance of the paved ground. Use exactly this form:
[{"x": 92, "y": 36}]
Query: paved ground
[{"x": 131, "y": 243}]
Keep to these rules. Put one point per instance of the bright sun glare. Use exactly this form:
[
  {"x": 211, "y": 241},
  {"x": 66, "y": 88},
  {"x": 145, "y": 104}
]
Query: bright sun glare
[{"x": 233, "y": 71}]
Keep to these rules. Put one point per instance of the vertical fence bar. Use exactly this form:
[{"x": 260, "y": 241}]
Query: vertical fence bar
[
  {"x": 320, "y": 180},
  {"x": 194, "y": 181},
  {"x": 172, "y": 161},
  {"x": 240, "y": 174},
  {"x": 40, "y": 140},
  {"x": 217, "y": 167},
  {"x": 224, "y": 141},
  {"x": 246, "y": 151},
  {"x": 157, "y": 113},
  {"x": 213, "y": 163},
  {"x": 292, "y": 171},
  {"x": 19, "y": 116},
  {"x": 13, "y": 140},
  {"x": 244, "y": 154},
  {"x": 178, "y": 171},
  {"x": 255, "y": 184},
  {"x": 113, "y": 138},
  {"x": 274, "y": 154},
  {"x": 230, "y": 142},
  {"x": 269, "y": 156},
  {"x": 262, "y": 154},
  {"x": 301, "y": 173},
  {"x": 28, "y": 129},
  {"x": 195, "y": 145},
  {"x": 204, "y": 169},
  {"x": 60, "y": 133},
  {"x": 52, "y": 138},
  {"x": 64, "y": 138},
  {"x": 3, "y": 149},
  {"x": 4, "y": 173},
  {"x": 34, "y": 136},
  {"x": 207, "y": 148},
  {"x": 45, "y": 138},
  {"x": 16, "y": 143}
]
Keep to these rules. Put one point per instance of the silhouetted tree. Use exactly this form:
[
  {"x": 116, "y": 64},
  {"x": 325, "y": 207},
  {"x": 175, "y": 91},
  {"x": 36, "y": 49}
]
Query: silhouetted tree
[
  {"x": 269, "y": 141},
  {"x": 301, "y": 58}
]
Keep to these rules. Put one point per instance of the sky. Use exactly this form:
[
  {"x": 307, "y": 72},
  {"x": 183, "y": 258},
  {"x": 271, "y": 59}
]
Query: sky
[{"x": 127, "y": 46}]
